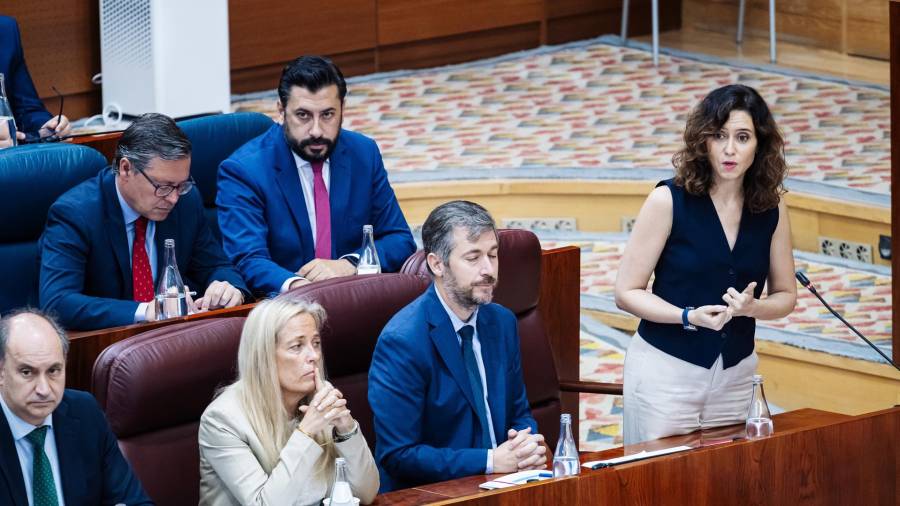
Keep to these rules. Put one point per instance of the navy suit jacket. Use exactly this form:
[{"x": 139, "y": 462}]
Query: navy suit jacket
[
  {"x": 27, "y": 107},
  {"x": 263, "y": 217},
  {"x": 426, "y": 426},
  {"x": 86, "y": 277},
  {"x": 92, "y": 468}
]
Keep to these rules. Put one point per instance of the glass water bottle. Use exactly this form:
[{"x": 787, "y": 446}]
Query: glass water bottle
[
  {"x": 565, "y": 458},
  {"x": 6, "y": 114},
  {"x": 759, "y": 420},
  {"x": 171, "y": 301},
  {"x": 341, "y": 495},
  {"x": 368, "y": 259}
]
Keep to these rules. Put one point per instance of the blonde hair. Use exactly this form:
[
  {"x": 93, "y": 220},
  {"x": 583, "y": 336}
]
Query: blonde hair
[{"x": 258, "y": 386}]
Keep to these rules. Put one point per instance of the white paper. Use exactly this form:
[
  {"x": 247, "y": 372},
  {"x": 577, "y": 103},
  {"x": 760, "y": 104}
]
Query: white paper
[
  {"x": 636, "y": 456},
  {"x": 519, "y": 478}
]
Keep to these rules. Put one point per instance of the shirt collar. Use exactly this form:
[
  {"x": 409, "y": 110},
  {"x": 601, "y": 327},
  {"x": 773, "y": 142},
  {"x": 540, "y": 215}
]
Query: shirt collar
[
  {"x": 20, "y": 428},
  {"x": 304, "y": 164},
  {"x": 129, "y": 214},
  {"x": 455, "y": 320}
]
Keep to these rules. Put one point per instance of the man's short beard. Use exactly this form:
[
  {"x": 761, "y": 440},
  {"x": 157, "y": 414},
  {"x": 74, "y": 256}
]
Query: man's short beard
[
  {"x": 298, "y": 147},
  {"x": 465, "y": 297}
]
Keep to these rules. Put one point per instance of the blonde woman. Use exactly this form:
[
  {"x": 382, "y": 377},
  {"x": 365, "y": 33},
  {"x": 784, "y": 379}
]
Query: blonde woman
[{"x": 272, "y": 436}]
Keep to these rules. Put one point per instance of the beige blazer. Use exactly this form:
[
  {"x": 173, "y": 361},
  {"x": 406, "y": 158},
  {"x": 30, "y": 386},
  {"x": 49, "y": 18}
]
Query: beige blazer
[{"x": 231, "y": 473}]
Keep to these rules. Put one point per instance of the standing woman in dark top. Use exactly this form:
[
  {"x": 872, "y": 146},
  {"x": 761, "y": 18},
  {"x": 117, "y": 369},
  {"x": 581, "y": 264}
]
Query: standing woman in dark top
[{"x": 714, "y": 236}]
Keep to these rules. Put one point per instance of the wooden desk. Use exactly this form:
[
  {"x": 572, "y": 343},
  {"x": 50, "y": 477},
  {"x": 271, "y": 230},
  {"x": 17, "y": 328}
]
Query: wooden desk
[
  {"x": 814, "y": 457},
  {"x": 106, "y": 142}
]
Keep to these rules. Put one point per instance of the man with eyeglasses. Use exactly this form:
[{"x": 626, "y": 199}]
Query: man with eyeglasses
[{"x": 102, "y": 248}]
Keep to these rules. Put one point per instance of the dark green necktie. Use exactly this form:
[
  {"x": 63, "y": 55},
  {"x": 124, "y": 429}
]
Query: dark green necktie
[
  {"x": 43, "y": 488},
  {"x": 466, "y": 333}
]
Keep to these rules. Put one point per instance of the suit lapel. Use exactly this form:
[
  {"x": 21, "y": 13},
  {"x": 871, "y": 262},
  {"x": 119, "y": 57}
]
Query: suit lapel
[
  {"x": 447, "y": 345},
  {"x": 494, "y": 371},
  {"x": 9, "y": 466},
  {"x": 289, "y": 184},
  {"x": 115, "y": 231},
  {"x": 339, "y": 188},
  {"x": 71, "y": 465}
]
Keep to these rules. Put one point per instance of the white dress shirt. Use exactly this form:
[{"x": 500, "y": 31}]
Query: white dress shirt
[
  {"x": 476, "y": 348},
  {"x": 20, "y": 428},
  {"x": 130, "y": 216}
]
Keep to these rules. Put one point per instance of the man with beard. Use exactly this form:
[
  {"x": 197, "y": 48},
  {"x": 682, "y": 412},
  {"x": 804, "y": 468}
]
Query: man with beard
[
  {"x": 292, "y": 202},
  {"x": 102, "y": 250},
  {"x": 445, "y": 383}
]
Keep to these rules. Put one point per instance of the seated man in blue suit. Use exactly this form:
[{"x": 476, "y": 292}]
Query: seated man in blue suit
[
  {"x": 55, "y": 444},
  {"x": 102, "y": 248},
  {"x": 445, "y": 383},
  {"x": 293, "y": 201},
  {"x": 30, "y": 114}
]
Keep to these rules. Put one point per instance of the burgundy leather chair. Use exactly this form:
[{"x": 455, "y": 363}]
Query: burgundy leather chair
[
  {"x": 153, "y": 388},
  {"x": 358, "y": 308}
]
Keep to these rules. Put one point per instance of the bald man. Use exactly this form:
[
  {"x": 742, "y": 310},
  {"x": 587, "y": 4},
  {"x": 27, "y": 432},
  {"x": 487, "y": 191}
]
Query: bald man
[{"x": 54, "y": 443}]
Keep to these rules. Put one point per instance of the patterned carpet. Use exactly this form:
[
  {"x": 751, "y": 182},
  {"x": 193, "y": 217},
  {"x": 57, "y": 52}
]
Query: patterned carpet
[{"x": 595, "y": 105}]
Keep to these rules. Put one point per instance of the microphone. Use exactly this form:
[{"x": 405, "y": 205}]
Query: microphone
[{"x": 801, "y": 277}]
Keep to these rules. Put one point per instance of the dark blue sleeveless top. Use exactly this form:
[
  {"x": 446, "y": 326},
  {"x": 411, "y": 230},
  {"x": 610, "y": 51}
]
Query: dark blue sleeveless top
[{"x": 695, "y": 269}]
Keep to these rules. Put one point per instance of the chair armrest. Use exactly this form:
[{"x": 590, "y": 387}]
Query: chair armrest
[{"x": 591, "y": 387}]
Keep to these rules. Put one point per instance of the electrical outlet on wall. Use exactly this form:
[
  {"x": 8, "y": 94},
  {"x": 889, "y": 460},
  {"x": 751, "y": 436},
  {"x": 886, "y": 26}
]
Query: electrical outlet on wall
[
  {"x": 554, "y": 224},
  {"x": 845, "y": 249}
]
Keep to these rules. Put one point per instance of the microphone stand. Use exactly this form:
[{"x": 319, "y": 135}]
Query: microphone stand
[{"x": 801, "y": 277}]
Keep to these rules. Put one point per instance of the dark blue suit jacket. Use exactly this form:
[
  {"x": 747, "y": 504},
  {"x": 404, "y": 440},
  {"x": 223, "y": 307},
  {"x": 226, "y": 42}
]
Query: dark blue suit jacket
[
  {"x": 263, "y": 218},
  {"x": 92, "y": 468},
  {"x": 86, "y": 275},
  {"x": 27, "y": 107},
  {"x": 426, "y": 427}
]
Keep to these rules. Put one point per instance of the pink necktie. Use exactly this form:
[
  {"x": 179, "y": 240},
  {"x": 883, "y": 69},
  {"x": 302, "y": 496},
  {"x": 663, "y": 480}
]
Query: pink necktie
[{"x": 323, "y": 213}]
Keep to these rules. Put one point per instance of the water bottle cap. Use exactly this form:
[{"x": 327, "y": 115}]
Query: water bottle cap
[
  {"x": 340, "y": 460},
  {"x": 757, "y": 378},
  {"x": 565, "y": 418},
  {"x": 170, "y": 243}
]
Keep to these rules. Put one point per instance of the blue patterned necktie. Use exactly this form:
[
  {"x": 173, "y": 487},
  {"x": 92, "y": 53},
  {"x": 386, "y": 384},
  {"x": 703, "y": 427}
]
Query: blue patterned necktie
[
  {"x": 43, "y": 488},
  {"x": 466, "y": 333}
]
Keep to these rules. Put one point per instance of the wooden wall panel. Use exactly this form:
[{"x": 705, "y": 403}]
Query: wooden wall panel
[
  {"x": 895, "y": 173},
  {"x": 867, "y": 29},
  {"x": 62, "y": 48},
  {"x": 812, "y": 22},
  {"x": 266, "y": 32},
  {"x": 405, "y": 21},
  {"x": 459, "y": 48},
  {"x": 570, "y": 20}
]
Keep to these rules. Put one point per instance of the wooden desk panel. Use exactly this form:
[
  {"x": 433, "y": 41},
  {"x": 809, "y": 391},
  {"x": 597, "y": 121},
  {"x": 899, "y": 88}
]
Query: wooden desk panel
[{"x": 814, "y": 457}]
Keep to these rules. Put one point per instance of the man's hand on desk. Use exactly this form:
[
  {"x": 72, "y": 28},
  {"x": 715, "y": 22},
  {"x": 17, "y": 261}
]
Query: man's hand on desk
[
  {"x": 321, "y": 269},
  {"x": 521, "y": 452},
  {"x": 58, "y": 126},
  {"x": 219, "y": 294}
]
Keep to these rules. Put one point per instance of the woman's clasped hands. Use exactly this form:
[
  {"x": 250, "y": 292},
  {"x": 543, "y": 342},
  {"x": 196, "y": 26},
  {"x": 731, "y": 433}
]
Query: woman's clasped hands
[
  {"x": 327, "y": 408},
  {"x": 716, "y": 316}
]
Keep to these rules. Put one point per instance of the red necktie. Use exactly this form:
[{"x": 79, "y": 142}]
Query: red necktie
[
  {"x": 323, "y": 213},
  {"x": 141, "y": 275}
]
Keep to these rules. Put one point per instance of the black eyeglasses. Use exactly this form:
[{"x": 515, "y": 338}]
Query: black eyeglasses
[
  {"x": 164, "y": 190},
  {"x": 35, "y": 138}
]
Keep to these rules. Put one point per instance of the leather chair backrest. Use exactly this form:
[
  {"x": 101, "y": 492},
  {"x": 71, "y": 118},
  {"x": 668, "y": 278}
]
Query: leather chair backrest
[
  {"x": 154, "y": 387},
  {"x": 358, "y": 308},
  {"x": 213, "y": 139},
  {"x": 518, "y": 289},
  {"x": 32, "y": 177}
]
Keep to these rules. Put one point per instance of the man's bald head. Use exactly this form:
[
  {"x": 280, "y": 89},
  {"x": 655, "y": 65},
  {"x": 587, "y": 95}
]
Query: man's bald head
[
  {"x": 33, "y": 351},
  {"x": 30, "y": 320}
]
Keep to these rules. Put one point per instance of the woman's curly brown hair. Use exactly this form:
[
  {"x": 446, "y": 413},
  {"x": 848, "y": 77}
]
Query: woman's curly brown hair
[{"x": 764, "y": 181}]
